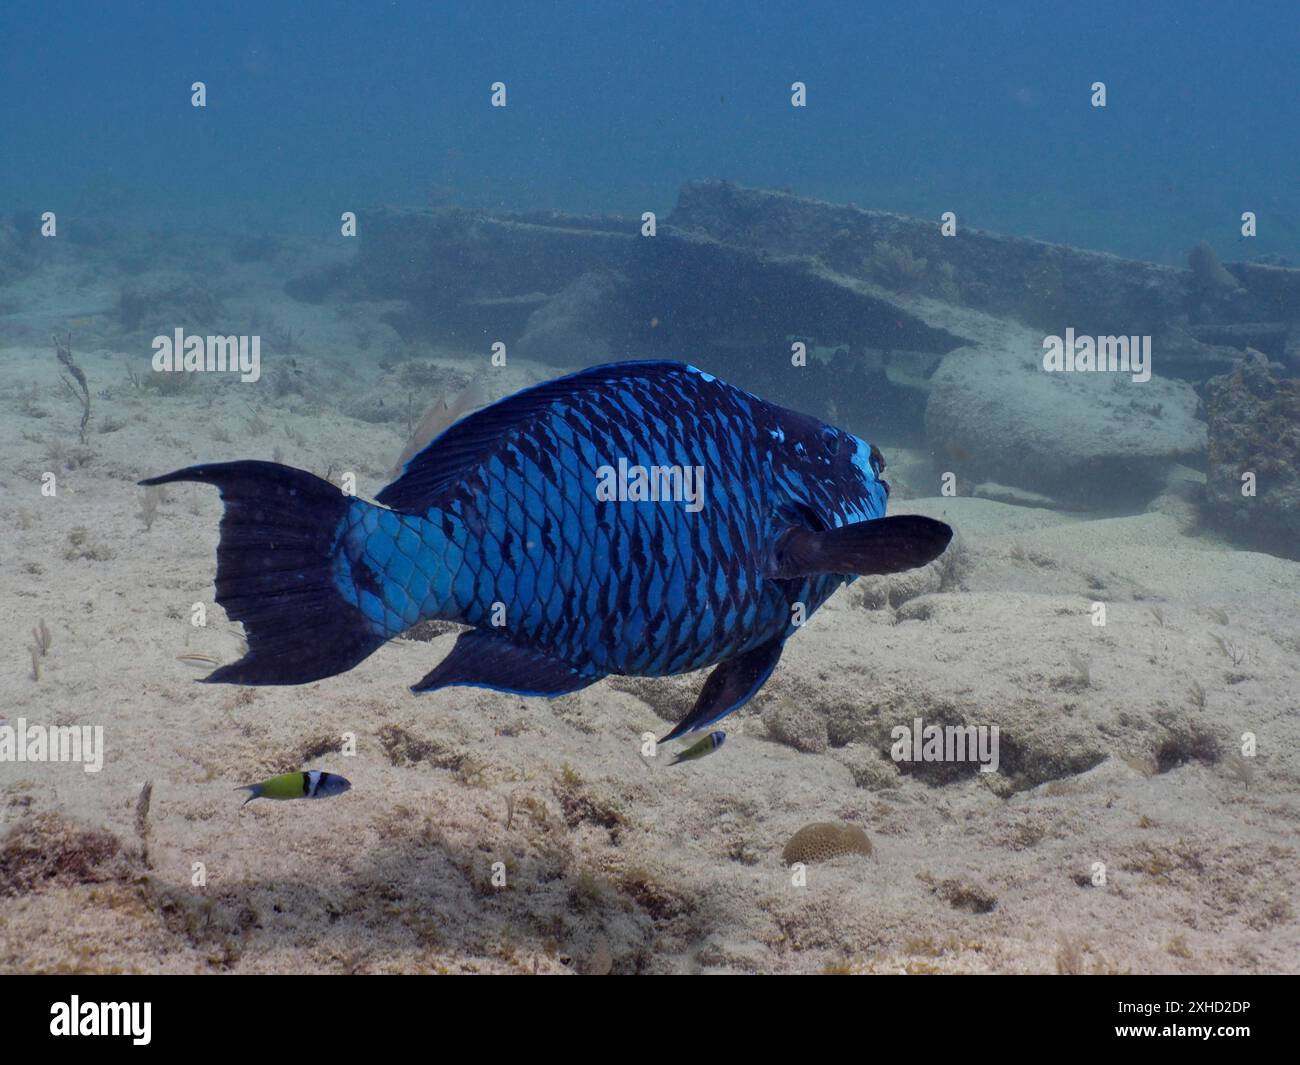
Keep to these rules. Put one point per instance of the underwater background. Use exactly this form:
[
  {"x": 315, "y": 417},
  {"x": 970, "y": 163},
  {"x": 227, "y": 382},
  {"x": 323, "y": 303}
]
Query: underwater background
[
  {"x": 1119, "y": 600},
  {"x": 971, "y": 108}
]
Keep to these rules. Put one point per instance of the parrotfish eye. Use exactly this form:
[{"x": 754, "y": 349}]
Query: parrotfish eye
[{"x": 831, "y": 440}]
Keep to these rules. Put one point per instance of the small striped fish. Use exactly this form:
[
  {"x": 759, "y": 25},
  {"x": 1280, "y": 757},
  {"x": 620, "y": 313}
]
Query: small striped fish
[
  {"x": 309, "y": 784},
  {"x": 700, "y": 748}
]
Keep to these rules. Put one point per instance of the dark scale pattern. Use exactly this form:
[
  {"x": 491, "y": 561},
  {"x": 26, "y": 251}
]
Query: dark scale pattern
[{"x": 644, "y": 588}]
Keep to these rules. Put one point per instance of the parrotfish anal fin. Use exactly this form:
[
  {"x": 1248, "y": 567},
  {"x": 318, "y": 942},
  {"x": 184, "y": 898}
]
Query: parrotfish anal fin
[
  {"x": 730, "y": 686},
  {"x": 449, "y": 457},
  {"x": 486, "y": 660},
  {"x": 883, "y": 545}
]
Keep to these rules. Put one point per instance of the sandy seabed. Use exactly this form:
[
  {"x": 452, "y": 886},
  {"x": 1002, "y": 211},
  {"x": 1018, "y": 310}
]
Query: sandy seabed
[{"x": 1117, "y": 742}]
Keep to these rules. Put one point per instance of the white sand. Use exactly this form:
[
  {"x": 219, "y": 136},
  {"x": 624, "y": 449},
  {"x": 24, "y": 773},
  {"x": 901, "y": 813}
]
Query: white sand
[{"x": 612, "y": 863}]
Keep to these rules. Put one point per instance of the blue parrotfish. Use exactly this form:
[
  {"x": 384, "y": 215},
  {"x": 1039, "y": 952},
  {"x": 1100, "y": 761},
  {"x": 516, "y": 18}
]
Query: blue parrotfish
[
  {"x": 640, "y": 518},
  {"x": 700, "y": 748},
  {"x": 309, "y": 784}
]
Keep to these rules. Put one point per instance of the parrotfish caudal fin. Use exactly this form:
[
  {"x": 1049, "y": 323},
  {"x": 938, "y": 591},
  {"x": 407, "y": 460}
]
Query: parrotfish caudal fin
[
  {"x": 275, "y": 573},
  {"x": 254, "y": 792}
]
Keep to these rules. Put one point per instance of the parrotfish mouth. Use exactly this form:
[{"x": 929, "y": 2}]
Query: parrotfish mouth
[{"x": 500, "y": 524}]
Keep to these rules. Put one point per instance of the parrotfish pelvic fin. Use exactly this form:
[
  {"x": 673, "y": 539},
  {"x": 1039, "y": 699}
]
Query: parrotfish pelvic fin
[
  {"x": 730, "y": 686},
  {"x": 864, "y": 548}
]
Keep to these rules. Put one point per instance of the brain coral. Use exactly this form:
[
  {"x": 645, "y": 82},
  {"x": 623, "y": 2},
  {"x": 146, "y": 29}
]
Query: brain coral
[{"x": 825, "y": 839}]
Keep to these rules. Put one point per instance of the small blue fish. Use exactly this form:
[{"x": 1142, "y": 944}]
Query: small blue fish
[
  {"x": 642, "y": 519},
  {"x": 708, "y": 745},
  {"x": 311, "y": 784}
]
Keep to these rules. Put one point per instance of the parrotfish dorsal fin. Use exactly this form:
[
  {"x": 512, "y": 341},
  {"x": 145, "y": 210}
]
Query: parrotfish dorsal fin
[
  {"x": 448, "y": 457},
  {"x": 864, "y": 548}
]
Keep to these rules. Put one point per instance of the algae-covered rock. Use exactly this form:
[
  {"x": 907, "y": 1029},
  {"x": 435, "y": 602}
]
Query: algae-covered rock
[
  {"x": 1209, "y": 278},
  {"x": 1089, "y": 437},
  {"x": 50, "y": 849},
  {"x": 572, "y": 328},
  {"x": 1254, "y": 416},
  {"x": 797, "y": 725},
  {"x": 823, "y": 840},
  {"x": 159, "y": 301}
]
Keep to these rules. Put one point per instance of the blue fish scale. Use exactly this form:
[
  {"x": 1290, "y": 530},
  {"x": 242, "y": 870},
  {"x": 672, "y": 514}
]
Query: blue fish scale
[{"x": 644, "y": 588}]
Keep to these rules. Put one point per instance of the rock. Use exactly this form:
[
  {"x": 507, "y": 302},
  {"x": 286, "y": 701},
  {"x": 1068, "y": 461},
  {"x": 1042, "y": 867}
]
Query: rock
[
  {"x": 1016, "y": 497},
  {"x": 739, "y": 309},
  {"x": 966, "y": 895},
  {"x": 1254, "y": 416},
  {"x": 1265, "y": 336},
  {"x": 1008, "y": 276},
  {"x": 871, "y": 770},
  {"x": 1092, "y": 438},
  {"x": 895, "y": 589},
  {"x": 798, "y": 726},
  {"x": 734, "y": 275},
  {"x": 451, "y": 254},
  {"x": 573, "y": 327},
  {"x": 545, "y": 280},
  {"x": 824, "y": 840},
  {"x": 470, "y": 276},
  {"x": 902, "y": 325},
  {"x": 1209, "y": 279},
  {"x": 1273, "y": 290},
  {"x": 1291, "y": 350},
  {"x": 160, "y": 301},
  {"x": 317, "y": 283},
  {"x": 1186, "y": 353}
]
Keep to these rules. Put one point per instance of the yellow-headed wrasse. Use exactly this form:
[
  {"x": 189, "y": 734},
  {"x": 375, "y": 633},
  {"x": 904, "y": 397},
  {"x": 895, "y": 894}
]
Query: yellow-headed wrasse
[
  {"x": 708, "y": 745},
  {"x": 310, "y": 784}
]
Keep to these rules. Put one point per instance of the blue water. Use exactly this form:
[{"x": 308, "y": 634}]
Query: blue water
[{"x": 921, "y": 108}]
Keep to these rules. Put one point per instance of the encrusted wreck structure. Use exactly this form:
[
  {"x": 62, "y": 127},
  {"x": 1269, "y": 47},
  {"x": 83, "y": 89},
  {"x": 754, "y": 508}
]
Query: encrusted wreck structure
[{"x": 912, "y": 335}]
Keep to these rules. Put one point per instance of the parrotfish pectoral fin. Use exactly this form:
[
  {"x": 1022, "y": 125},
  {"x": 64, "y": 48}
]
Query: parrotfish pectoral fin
[
  {"x": 730, "y": 686},
  {"x": 864, "y": 548},
  {"x": 483, "y": 659}
]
